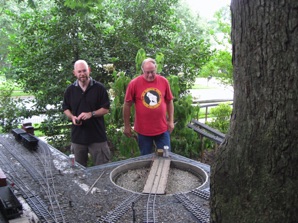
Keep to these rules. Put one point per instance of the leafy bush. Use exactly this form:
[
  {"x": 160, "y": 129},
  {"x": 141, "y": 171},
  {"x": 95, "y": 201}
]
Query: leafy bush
[
  {"x": 221, "y": 120},
  {"x": 11, "y": 110},
  {"x": 185, "y": 141}
]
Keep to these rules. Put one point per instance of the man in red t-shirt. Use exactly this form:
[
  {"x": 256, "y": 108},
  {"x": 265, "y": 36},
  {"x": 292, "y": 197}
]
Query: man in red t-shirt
[{"x": 154, "y": 108}]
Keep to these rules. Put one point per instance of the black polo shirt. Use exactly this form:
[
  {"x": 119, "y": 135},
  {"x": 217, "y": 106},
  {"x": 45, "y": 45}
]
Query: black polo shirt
[{"x": 77, "y": 101}]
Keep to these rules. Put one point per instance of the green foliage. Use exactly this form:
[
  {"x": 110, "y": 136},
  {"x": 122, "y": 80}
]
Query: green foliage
[
  {"x": 160, "y": 61},
  {"x": 158, "y": 27},
  {"x": 128, "y": 147},
  {"x": 185, "y": 141},
  {"x": 41, "y": 51},
  {"x": 174, "y": 83},
  {"x": 221, "y": 120},
  {"x": 45, "y": 43},
  {"x": 223, "y": 27},
  {"x": 30, "y": 3},
  {"x": 109, "y": 34},
  {"x": 184, "y": 111},
  {"x": 220, "y": 65},
  {"x": 8, "y": 27},
  {"x": 57, "y": 129},
  {"x": 11, "y": 111},
  {"x": 121, "y": 146},
  {"x": 141, "y": 56},
  {"x": 82, "y": 3},
  {"x": 117, "y": 93}
]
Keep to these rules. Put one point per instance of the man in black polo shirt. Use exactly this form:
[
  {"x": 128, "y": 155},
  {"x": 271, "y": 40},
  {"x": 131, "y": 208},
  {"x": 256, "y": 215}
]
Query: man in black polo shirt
[{"x": 85, "y": 103}]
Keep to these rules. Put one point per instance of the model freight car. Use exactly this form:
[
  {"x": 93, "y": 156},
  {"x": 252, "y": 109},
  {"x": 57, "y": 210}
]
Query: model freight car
[
  {"x": 27, "y": 139},
  {"x": 10, "y": 207}
]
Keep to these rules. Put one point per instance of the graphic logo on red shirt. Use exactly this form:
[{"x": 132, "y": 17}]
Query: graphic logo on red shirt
[{"x": 151, "y": 98}]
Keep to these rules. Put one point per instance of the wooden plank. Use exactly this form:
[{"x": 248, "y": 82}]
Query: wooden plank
[
  {"x": 158, "y": 176},
  {"x": 212, "y": 130},
  {"x": 216, "y": 139}
]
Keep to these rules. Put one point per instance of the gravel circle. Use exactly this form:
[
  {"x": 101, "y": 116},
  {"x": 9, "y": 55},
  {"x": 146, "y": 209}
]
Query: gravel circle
[{"x": 135, "y": 180}]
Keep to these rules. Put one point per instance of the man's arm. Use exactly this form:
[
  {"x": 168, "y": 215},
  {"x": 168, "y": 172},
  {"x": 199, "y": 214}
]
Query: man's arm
[
  {"x": 101, "y": 112},
  {"x": 126, "y": 118},
  {"x": 97, "y": 113}
]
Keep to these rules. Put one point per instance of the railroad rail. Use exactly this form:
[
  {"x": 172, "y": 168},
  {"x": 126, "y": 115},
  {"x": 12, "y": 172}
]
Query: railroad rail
[
  {"x": 114, "y": 215},
  {"x": 150, "y": 215},
  {"x": 149, "y": 211},
  {"x": 201, "y": 215},
  {"x": 143, "y": 206},
  {"x": 47, "y": 211},
  {"x": 201, "y": 193},
  {"x": 37, "y": 205}
]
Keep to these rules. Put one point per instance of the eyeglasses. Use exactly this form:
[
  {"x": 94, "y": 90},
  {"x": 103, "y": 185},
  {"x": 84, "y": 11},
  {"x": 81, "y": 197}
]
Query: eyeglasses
[{"x": 149, "y": 72}]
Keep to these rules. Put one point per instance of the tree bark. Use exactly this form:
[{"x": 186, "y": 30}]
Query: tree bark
[{"x": 255, "y": 176}]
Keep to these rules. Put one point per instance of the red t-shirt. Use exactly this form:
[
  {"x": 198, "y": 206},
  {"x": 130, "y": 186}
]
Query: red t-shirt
[{"x": 150, "y": 100}]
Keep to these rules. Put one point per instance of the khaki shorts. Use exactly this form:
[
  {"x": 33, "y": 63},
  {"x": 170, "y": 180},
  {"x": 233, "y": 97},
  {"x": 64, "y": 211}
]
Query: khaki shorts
[{"x": 100, "y": 153}]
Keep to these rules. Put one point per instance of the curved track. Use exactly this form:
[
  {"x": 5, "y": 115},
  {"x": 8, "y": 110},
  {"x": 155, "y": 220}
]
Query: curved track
[
  {"x": 47, "y": 210},
  {"x": 150, "y": 209},
  {"x": 45, "y": 204}
]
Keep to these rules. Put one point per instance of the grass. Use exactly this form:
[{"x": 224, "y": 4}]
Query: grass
[
  {"x": 17, "y": 90},
  {"x": 17, "y": 93},
  {"x": 200, "y": 86}
]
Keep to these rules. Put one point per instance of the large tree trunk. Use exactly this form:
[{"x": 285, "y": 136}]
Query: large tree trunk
[{"x": 254, "y": 178}]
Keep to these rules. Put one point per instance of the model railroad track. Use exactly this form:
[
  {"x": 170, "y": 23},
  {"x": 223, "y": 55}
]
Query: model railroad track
[
  {"x": 46, "y": 212},
  {"x": 114, "y": 215},
  {"x": 37, "y": 205},
  {"x": 201, "y": 215},
  {"x": 149, "y": 211},
  {"x": 45, "y": 156},
  {"x": 201, "y": 193},
  {"x": 150, "y": 215}
]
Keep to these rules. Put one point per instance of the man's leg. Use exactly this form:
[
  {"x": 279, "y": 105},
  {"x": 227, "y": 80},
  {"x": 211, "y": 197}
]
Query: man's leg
[
  {"x": 100, "y": 153},
  {"x": 163, "y": 140},
  {"x": 145, "y": 144},
  {"x": 81, "y": 153}
]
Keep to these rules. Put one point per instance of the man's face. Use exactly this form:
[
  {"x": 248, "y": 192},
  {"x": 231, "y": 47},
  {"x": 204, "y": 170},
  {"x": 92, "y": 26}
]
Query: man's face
[
  {"x": 82, "y": 72},
  {"x": 149, "y": 71}
]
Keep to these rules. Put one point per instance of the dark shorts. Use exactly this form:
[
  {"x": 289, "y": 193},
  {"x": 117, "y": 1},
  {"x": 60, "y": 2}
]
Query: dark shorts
[{"x": 146, "y": 142}]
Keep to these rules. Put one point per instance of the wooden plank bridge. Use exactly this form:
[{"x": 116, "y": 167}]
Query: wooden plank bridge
[{"x": 158, "y": 176}]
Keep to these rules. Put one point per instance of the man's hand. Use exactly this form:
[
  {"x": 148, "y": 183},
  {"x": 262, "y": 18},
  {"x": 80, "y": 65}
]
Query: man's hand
[
  {"x": 171, "y": 126},
  {"x": 85, "y": 115},
  {"x": 75, "y": 120},
  {"x": 127, "y": 131}
]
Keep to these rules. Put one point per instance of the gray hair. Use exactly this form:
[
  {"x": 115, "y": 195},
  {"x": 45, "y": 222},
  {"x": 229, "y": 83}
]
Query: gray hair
[{"x": 148, "y": 60}]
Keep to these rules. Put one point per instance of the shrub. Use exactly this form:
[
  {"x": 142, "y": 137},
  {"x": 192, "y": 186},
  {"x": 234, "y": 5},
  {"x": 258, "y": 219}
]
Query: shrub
[{"x": 221, "y": 120}]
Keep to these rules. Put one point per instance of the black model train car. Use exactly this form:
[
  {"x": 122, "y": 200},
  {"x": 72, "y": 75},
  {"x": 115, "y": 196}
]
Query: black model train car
[
  {"x": 10, "y": 207},
  {"x": 27, "y": 139}
]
